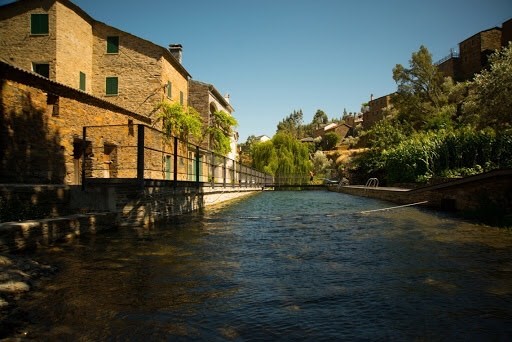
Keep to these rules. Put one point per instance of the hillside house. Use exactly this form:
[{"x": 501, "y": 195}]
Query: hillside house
[{"x": 206, "y": 99}]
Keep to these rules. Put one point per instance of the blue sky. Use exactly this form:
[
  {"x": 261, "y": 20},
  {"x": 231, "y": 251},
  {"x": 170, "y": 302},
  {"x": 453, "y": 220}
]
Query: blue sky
[{"x": 275, "y": 56}]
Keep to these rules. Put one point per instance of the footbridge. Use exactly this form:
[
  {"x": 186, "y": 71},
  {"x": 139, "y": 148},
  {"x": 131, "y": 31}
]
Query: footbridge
[{"x": 295, "y": 182}]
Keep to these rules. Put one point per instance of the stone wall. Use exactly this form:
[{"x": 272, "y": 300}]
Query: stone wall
[
  {"x": 41, "y": 128},
  {"x": 73, "y": 48},
  {"x": 474, "y": 51},
  {"x": 76, "y": 44},
  {"x": 156, "y": 201},
  {"x": 18, "y": 46},
  {"x": 486, "y": 196}
]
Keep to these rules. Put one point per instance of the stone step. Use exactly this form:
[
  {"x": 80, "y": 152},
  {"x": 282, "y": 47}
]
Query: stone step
[{"x": 18, "y": 236}]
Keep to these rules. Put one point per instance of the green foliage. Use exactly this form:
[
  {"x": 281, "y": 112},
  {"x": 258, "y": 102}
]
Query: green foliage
[
  {"x": 282, "y": 156},
  {"x": 384, "y": 134},
  {"x": 420, "y": 94},
  {"x": 292, "y": 124},
  {"x": 320, "y": 118},
  {"x": 329, "y": 141},
  {"x": 220, "y": 132},
  {"x": 443, "y": 129},
  {"x": 459, "y": 152},
  {"x": 491, "y": 91},
  {"x": 321, "y": 164},
  {"x": 179, "y": 121}
]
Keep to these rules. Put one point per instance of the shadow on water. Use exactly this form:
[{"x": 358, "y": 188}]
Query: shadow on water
[{"x": 305, "y": 266}]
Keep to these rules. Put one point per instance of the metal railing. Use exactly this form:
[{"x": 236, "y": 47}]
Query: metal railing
[{"x": 145, "y": 153}]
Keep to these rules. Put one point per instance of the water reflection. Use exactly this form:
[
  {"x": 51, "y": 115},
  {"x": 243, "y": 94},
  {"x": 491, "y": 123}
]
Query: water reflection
[{"x": 283, "y": 265}]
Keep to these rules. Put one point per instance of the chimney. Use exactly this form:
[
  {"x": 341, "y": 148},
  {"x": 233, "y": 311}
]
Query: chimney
[
  {"x": 226, "y": 97},
  {"x": 177, "y": 51}
]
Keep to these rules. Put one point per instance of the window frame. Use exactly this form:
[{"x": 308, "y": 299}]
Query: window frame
[
  {"x": 82, "y": 82},
  {"x": 37, "y": 24},
  {"x": 169, "y": 90},
  {"x": 35, "y": 66},
  {"x": 107, "y": 86},
  {"x": 111, "y": 44}
]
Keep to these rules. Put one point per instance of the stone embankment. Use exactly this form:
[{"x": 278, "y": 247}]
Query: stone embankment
[{"x": 486, "y": 197}]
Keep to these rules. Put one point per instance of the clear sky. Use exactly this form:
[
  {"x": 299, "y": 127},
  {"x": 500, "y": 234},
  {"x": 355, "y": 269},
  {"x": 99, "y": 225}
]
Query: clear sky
[{"x": 275, "y": 56}]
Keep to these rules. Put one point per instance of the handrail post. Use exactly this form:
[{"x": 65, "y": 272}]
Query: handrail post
[
  {"x": 197, "y": 165},
  {"x": 175, "y": 162},
  {"x": 140, "y": 155},
  {"x": 84, "y": 148},
  {"x": 213, "y": 169},
  {"x": 224, "y": 172}
]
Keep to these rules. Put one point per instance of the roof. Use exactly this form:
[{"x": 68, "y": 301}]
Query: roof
[
  {"x": 216, "y": 93},
  {"x": 10, "y": 72}
]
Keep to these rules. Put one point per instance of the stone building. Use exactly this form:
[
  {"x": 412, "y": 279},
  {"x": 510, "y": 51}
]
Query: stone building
[
  {"x": 376, "y": 110},
  {"x": 58, "y": 40},
  {"x": 206, "y": 99},
  {"x": 342, "y": 130},
  {"x": 506, "y": 32},
  {"x": 41, "y": 132},
  {"x": 474, "y": 52}
]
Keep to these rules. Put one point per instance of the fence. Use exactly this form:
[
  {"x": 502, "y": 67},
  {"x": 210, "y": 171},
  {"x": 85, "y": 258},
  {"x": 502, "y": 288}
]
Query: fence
[{"x": 140, "y": 152}]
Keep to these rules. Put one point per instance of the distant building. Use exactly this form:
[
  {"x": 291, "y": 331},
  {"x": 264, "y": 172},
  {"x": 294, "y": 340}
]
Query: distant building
[
  {"x": 261, "y": 138},
  {"x": 206, "y": 99},
  {"x": 376, "y": 111},
  {"x": 474, "y": 52},
  {"x": 354, "y": 119},
  {"x": 506, "y": 32}
]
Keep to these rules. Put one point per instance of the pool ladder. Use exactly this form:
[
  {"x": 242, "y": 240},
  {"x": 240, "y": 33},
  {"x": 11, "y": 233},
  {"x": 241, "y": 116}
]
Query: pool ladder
[{"x": 372, "y": 183}]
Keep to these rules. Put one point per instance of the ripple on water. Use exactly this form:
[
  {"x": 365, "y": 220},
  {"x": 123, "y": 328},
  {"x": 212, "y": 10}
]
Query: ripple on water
[{"x": 284, "y": 265}]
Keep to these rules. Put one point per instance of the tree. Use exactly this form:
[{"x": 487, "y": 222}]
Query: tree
[
  {"x": 420, "y": 92},
  {"x": 329, "y": 141},
  {"x": 321, "y": 163},
  {"x": 320, "y": 118},
  {"x": 220, "y": 132},
  {"x": 283, "y": 157},
  {"x": 491, "y": 91},
  {"x": 245, "y": 150},
  {"x": 179, "y": 121},
  {"x": 292, "y": 124}
]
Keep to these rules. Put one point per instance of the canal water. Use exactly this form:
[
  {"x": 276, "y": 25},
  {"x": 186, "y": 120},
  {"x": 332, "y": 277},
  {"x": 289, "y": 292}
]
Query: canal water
[{"x": 305, "y": 265}]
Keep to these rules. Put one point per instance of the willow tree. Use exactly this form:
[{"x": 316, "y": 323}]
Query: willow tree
[
  {"x": 284, "y": 157},
  {"x": 220, "y": 131},
  {"x": 179, "y": 121}
]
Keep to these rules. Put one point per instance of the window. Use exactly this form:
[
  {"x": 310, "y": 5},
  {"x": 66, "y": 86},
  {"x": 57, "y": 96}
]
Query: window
[
  {"x": 52, "y": 105},
  {"x": 42, "y": 69},
  {"x": 39, "y": 24},
  {"x": 113, "y": 44},
  {"x": 111, "y": 86},
  {"x": 169, "y": 89},
  {"x": 181, "y": 98},
  {"x": 82, "y": 81}
]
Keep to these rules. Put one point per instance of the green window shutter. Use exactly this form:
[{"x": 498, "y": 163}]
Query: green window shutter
[
  {"x": 111, "y": 86},
  {"x": 181, "y": 98},
  {"x": 82, "y": 81},
  {"x": 113, "y": 44},
  {"x": 39, "y": 24},
  {"x": 169, "y": 89}
]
